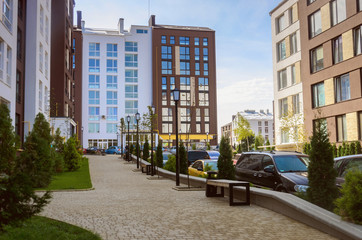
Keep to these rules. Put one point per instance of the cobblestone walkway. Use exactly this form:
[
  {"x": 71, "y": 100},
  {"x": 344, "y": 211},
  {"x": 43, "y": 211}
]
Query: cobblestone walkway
[{"x": 126, "y": 205}]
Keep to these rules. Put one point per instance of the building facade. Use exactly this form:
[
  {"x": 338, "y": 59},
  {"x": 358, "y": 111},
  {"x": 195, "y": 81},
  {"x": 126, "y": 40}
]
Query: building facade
[
  {"x": 288, "y": 91},
  {"x": 116, "y": 72},
  {"x": 227, "y": 132},
  {"x": 184, "y": 58},
  {"x": 331, "y": 41}
]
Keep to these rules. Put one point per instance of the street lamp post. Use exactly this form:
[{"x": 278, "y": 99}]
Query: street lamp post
[
  {"x": 152, "y": 164},
  {"x": 176, "y": 98},
  {"x": 138, "y": 148},
  {"x": 128, "y": 150},
  {"x": 169, "y": 140}
]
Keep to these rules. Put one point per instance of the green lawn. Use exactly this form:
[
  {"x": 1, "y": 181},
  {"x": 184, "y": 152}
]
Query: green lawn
[
  {"x": 79, "y": 179},
  {"x": 39, "y": 228}
]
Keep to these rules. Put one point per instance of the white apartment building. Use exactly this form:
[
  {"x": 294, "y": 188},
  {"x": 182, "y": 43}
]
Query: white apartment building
[
  {"x": 117, "y": 81},
  {"x": 288, "y": 96},
  {"x": 261, "y": 123},
  {"x": 8, "y": 40},
  {"x": 37, "y": 53}
]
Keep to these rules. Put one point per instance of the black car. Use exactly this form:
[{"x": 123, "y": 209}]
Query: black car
[
  {"x": 92, "y": 150},
  {"x": 194, "y": 155},
  {"x": 281, "y": 171},
  {"x": 346, "y": 163}
]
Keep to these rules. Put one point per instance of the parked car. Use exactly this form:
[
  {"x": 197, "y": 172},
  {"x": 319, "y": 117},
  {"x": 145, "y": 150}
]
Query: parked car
[
  {"x": 165, "y": 157},
  {"x": 236, "y": 158},
  {"x": 198, "y": 167},
  {"x": 344, "y": 164},
  {"x": 194, "y": 155},
  {"x": 173, "y": 150},
  {"x": 92, "y": 150},
  {"x": 114, "y": 150},
  {"x": 280, "y": 171}
]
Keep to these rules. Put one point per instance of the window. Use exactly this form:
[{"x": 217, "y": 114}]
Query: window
[
  {"x": 40, "y": 95},
  {"x": 164, "y": 98},
  {"x": 93, "y": 81},
  {"x": 281, "y": 50},
  {"x": 46, "y": 29},
  {"x": 282, "y": 79},
  {"x": 318, "y": 95},
  {"x": 260, "y": 130},
  {"x": 18, "y": 44},
  {"x": 315, "y": 24},
  {"x": 197, "y": 54},
  {"x": 206, "y": 114},
  {"x": 205, "y": 42},
  {"x": 172, "y": 83},
  {"x": 292, "y": 69},
  {"x": 197, "y": 68},
  {"x": 163, "y": 40},
  {"x": 338, "y": 11},
  {"x": 316, "y": 60},
  {"x": 112, "y": 114},
  {"x": 94, "y": 50},
  {"x": 93, "y": 97},
  {"x": 337, "y": 50},
  {"x": 184, "y": 41},
  {"x": 197, "y": 41},
  {"x": 8, "y": 65},
  {"x": 131, "y": 75},
  {"x": 166, "y": 67},
  {"x": 280, "y": 21},
  {"x": 2, "y": 54},
  {"x": 41, "y": 57},
  {"x": 111, "y": 82},
  {"x": 284, "y": 135},
  {"x": 203, "y": 84},
  {"x": 321, "y": 124},
  {"x": 185, "y": 98},
  {"x": 143, "y": 31},
  {"x": 111, "y": 127},
  {"x": 131, "y": 106},
  {"x": 206, "y": 69},
  {"x": 203, "y": 99},
  {"x": 111, "y": 97},
  {"x": 94, "y": 65},
  {"x": 185, "y": 68},
  {"x": 131, "y": 60},
  {"x": 8, "y": 13},
  {"x": 206, "y": 54},
  {"x": 342, "y": 89},
  {"x": 283, "y": 107},
  {"x": 293, "y": 43},
  {"x": 164, "y": 83},
  {"x": 166, "y": 52},
  {"x": 112, "y": 65},
  {"x": 184, "y": 83},
  {"x": 172, "y": 39},
  {"x": 93, "y": 114},
  {"x": 259, "y": 123},
  {"x": 184, "y": 53},
  {"x": 46, "y": 63},
  {"x": 266, "y": 129},
  {"x": 310, "y": 1},
  {"x": 360, "y": 5},
  {"x": 360, "y": 125},
  {"x": 18, "y": 87},
  {"x": 111, "y": 50},
  {"x": 341, "y": 128},
  {"x": 41, "y": 21},
  {"x": 131, "y": 91},
  {"x": 93, "y": 127},
  {"x": 358, "y": 40},
  {"x": 296, "y": 104},
  {"x": 131, "y": 47}
]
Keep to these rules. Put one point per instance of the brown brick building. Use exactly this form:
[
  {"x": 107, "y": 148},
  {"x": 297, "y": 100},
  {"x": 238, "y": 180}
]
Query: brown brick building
[{"x": 184, "y": 57}]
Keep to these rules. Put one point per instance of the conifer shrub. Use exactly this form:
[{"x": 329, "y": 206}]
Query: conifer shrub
[
  {"x": 193, "y": 146},
  {"x": 334, "y": 149},
  {"x": 352, "y": 148},
  {"x": 72, "y": 158},
  {"x": 358, "y": 147},
  {"x": 340, "y": 151},
  {"x": 132, "y": 149},
  {"x": 183, "y": 158},
  {"x": 225, "y": 163},
  {"x": 268, "y": 144},
  {"x": 306, "y": 148},
  {"x": 146, "y": 149},
  {"x": 57, "y": 152},
  {"x": 322, "y": 189},
  {"x": 159, "y": 157},
  {"x": 171, "y": 163}
]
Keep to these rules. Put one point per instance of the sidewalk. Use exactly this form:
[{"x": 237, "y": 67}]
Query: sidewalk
[{"x": 126, "y": 205}]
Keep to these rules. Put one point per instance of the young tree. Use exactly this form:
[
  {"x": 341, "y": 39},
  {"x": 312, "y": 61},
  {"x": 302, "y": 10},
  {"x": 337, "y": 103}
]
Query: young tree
[
  {"x": 268, "y": 144},
  {"x": 183, "y": 158},
  {"x": 57, "y": 151},
  {"x": 159, "y": 156},
  {"x": 42, "y": 128},
  {"x": 322, "y": 189},
  {"x": 146, "y": 151},
  {"x": 72, "y": 158},
  {"x": 225, "y": 163},
  {"x": 243, "y": 130},
  {"x": 292, "y": 123},
  {"x": 259, "y": 141},
  {"x": 122, "y": 129}
]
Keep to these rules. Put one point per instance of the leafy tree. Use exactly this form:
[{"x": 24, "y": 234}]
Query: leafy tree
[
  {"x": 159, "y": 157},
  {"x": 58, "y": 141},
  {"x": 72, "y": 158},
  {"x": 146, "y": 151},
  {"x": 42, "y": 128},
  {"x": 57, "y": 152},
  {"x": 322, "y": 189},
  {"x": 183, "y": 158},
  {"x": 18, "y": 200},
  {"x": 268, "y": 144},
  {"x": 292, "y": 123},
  {"x": 259, "y": 141},
  {"x": 225, "y": 163},
  {"x": 243, "y": 130}
]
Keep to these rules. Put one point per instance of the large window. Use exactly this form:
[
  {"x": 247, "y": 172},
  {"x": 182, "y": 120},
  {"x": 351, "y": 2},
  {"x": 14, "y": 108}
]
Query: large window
[
  {"x": 166, "y": 67},
  {"x": 166, "y": 52},
  {"x": 111, "y": 97},
  {"x": 282, "y": 79},
  {"x": 184, "y": 41},
  {"x": 111, "y": 65},
  {"x": 46, "y": 64},
  {"x": 341, "y": 128},
  {"x": 316, "y": 59},
  {"x": 184, "y": 53},
  {"x": 206, "y": 54},
  {"x": 197, "y": 54},
  {"x": 131, "y": 91},
  {"x": 203, "y": 84},
  {"x": 41, "y": 20},
  {"x": 131, "y": 47},
  {"x": 281, "y": 50},
  {"x": 205, "y": 42},
  {"x": 46, "y": 29},
  {"x": 93, "y": 114},
  {"x": 280, "y": 23},
  {"x": 40, "y": 95},
  {"x": 203, "y": 99},
  {"x": 41, "y": 58},
  {"x": 2, "y": 52},
  {"x": 131, "y": 75},
  {"x": 93, "y": 81},
  {"x": 358, "y": 40},
  {"x": 111, "y": 82},
  {"x": 315, "y": 24},
  {"x": 131, "y": 106},
  {"x": 197, "y": 41},
  {"x": 93, "y": 127},
  {"x": 283, "y": 107},
  {"x": 112, "y": 114},
  {"x": 318, "y": 95},
  {"x": 338, "y": 11},
  {"x": 8, "y": 65},
  {"x": 206, "y": 69},
  {"x": 184, "y": 83},
  {"x": 292, "y": 69},
  {"x": 296, "y": 104},
  {"x": 360, "y": 5},
  {"x": 8, "y": 13},
  {"x": 293, "y": 43},
  {"x": 337, "y": 50},
  {"x": 131, "y": 60},
  {"x": 93, "y": 97},
  {"x": 163, "y": 39},
  {"x": 197, "y": 68},
  {"x": 94, "y": 49},
  {"x": 185, "y": 68},
  {"x": 341, "y": 87},
  {"x": 111, "y": 127},
  {"x": 284, "y": 135},
  {"x": 111, "y": 50},
  {"x": 94, "y": 65}
]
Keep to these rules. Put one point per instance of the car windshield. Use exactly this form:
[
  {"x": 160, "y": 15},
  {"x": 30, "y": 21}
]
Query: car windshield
[
  {"x": 214, "y": 155},
  {"x": 211, "y": 165},
  {"x": 291, "y": 163}
]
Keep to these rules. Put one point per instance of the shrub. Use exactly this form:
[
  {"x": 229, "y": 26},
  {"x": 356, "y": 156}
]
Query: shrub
[
  {"x": 193, "y": 146},
  {"x": 225, "y": 163},
  {"x": 58, "y": 161},
  {"x": 208, "y": 146},
  {"x": 352, "y": 148},
  {"x": 171, "y": 163},
  {"x": 183, "y": 158},
  {"x": 159, "y": 157},
  {"x": 131, "y": 149},
  {"x": 358, "y": 147},
  {"x": 334, "y": 150},
  {"x": 306, "y": 148},
  {"x": 268, "y": 144},
  {"x": 340, "y": 151},
  {"x": 349, "y": 205},
  {"x": 72, "y": 159},
  {"x": 146, "y": 153},
  {"x": 322, "y": 189}
]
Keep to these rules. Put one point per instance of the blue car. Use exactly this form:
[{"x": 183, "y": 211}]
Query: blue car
[{"x": 113, "y": 150}]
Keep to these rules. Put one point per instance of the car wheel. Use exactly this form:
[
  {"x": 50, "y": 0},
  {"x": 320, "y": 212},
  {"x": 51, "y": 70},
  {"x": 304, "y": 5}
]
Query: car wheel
[{"x": 280, "y": 189}]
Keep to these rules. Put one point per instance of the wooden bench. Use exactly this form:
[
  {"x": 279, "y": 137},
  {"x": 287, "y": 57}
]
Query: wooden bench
[
  {"x": 213, "y": 184},
  {"x": 146, "y": 167}
]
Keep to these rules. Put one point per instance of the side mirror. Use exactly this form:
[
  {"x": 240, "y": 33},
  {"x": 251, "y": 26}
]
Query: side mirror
[{"x": 269, "y": 169}]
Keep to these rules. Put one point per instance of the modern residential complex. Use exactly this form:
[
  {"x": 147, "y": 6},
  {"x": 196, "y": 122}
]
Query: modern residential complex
[
  {"x": 288, "y": 104},
  {"x": 184, "y": 58},
  {"x": 117, "y": 81},
  {"x": 227, "y": 132}
]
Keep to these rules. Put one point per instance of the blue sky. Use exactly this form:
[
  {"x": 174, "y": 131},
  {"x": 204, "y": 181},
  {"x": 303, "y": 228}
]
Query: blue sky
[{"x": 243, "y": 41}]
